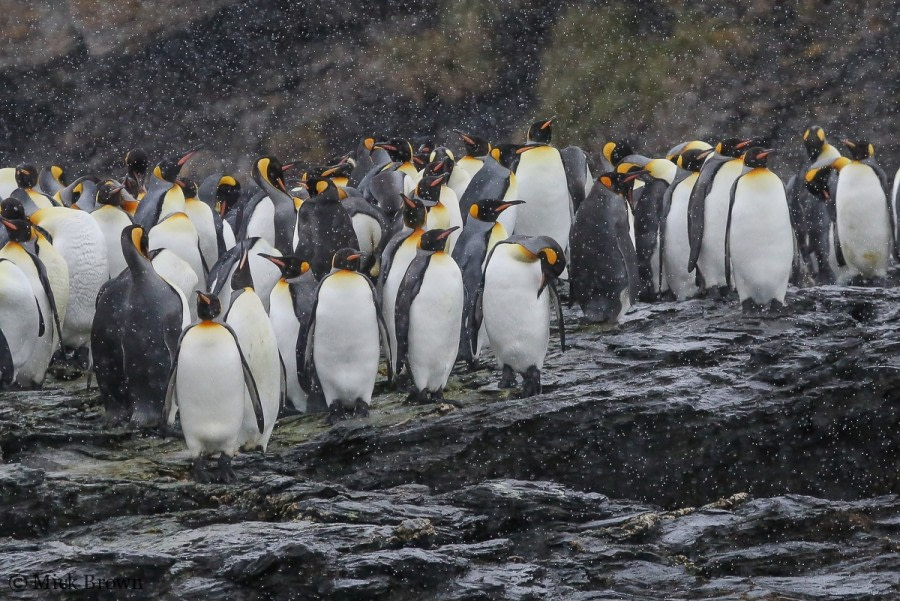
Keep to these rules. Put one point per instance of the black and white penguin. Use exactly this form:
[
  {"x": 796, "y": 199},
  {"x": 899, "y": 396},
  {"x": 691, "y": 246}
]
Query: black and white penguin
[
  {"x": 163, "y": 196},
  {"x": 603, "y": 273},
  {"x": 865, "y": 221},
  {"x": 264, "y": 273},
  {"x": 271, "y": 214},
  {"x": 27, "y": 179},
  {"x": 482, "y": 232},
  {"x": 443, "y": 206},
  {"x": 514, "y": 303},
  {"x": 759, "y": 238},
  {"x": 210, "y": 386},
  {"x": 133, "y": 340},
  {"x": 428, "y": 316},
  {"x": 674, "y": 243},
  {"x": 343, "y": 338},
  {"x": 541, "y": 177},
  {"x": 647, "y": 212},
  {"x": 51, "y": 180},
  {"x": 221, "y": 192},
  {"x": 708, "y": 213},
  {"x": 256, "y": 336},
  {"x": 209, "y": 232},
  {"x": 490, "y": 180},
  {"x": 370, "y": 225},
  {"x": 31, "y": 374},
  {"x": 324, "y": 226},
  {"x": 21, "y": 321},
  {"x": 476, "y": 149},
  {"x": 138, "y": 164},
  {"x": 290, "y": 306},
  {"x": 398, "y": 254},
  {"x": 112, "y": 219},
  {"x": 401, "y": 153}
]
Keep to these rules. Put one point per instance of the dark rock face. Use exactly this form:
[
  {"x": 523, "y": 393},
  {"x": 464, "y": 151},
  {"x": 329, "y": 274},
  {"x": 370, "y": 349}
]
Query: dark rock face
[{"x": 693, "y": 452}]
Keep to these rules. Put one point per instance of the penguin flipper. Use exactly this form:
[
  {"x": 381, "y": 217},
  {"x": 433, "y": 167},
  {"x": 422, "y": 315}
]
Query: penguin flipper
[
  {"x": 407, "y": 293},
  {"x": 306, "y": 367},
  {"x": 170, "y": 407},
  {"x": 697, "y": 209},
  {"x": 882, "y": 178},
  {"x": 48, "y": 290},
  {"x": 629, "y": 259},
  {"x": 7, "y": 368},
  {"x": 41, "y": 325},
  {"x": 282, "y": 397},
  {"x": 250, "y": 382},
  {"x": 574, "y": 162},
  {"x": 554, "y": 296},
  {"x": 731, "y": 197},
  {"x": 663, "y": 217}
]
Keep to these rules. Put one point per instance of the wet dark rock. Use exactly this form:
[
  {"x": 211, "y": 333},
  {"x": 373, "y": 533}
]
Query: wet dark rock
[{"x": 691, "y": 452}]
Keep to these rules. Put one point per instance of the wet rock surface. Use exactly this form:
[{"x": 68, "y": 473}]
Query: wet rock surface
[{"x": 692, "y": 452}]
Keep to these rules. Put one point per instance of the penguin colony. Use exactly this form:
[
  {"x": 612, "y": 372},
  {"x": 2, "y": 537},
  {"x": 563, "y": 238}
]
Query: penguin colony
[{"x": 225, "y": 305}]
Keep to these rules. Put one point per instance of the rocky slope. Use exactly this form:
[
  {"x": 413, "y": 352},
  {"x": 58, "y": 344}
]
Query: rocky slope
[
  {"x": 84, "y": 80},
  {"x": 691, "y": 453}
]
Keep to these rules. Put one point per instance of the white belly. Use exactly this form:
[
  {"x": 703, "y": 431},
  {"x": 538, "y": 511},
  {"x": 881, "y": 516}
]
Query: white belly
[
  {"x": 516, "y": 319},
  {"x": 346, "y": 344},
  {"x": 761, "y": 238},
  {"x": 112, "y": 220},
  {"x": 80, "y": 241},
  {"x": 287, "y": 329},
  {"x": 262, "y": 221},
  {"x": 248, "y": 319},
  {"x": 177, "y": 272},
  {"x": 509, "y": 217},
  {"x": 677, "y": 249},
  {"x": 7, "y": 181},
  {"x": 542, "y": 185},
  {"x": 210, "y": 391},
  {"x": 265, "y": 274},
  {"x": 459, "y": 181},
  {"x": 18, "y": 314},
  {"x": 435, "y": 317},
  {"x": 57, "y": 275},
  {"x": 470, "y": 164},
  {"x": 179, "y": 235},
  {"x": 202, "y": 217},
  {"x": 446, "y": 215},
  {"x": 368, "y": 232},
  {"x": 402, "y": 258},
  {"x": 863, "y": 221},
  {"x": 227, "y": 236},
  {"x": 715, "y": 221}
]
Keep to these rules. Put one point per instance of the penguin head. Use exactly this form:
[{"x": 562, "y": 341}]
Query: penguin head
[
  {"x": 693, "y": 159},
  {"x": 436, "y": 240},
  {"x": 228, "y": 192},
  {"x": 398, "y": 149},
  {"x": 58, "y": 173},
  {"x": 324, "y": 189},
  {"x": 814, "y": 141},
  {"x": 429, "y": 187},
  {"x": 476, "y": 146},
  {"x": 26, "y": 175},
  {"x": 269, "y": 170},
  {"x": 816, "y": 181},
  {"x": 208, "y": 306},
  {"x": 443, "y": 155},
  {"x": 489, "y": 209},
  {"x": 621, "y": 183},
  {"x": 189, "y": 187},
  {"x": 732, "y": 147},
  {"x": 347, "y": 258},
  {"x": 439, "y": 166},
  {"x": 540, "y": 132},
  {"x": 414, "y": 212},
  {"x": 757, "y": 157},
  {"x": 508, "y": 155},
  {"x": 616, "y": 151},
  {"x": 291, "y": 266},
  {"x": 134, "y": 237},
  {"x": 425, "y": 147},
  {"x": 169, "y": 168},
  {"x": 19, "y": 230},
  {"x": 859, "y": 150},
  {"x": 12, "y": 208},
  {"x": 332, "y": 170},
  {"x": 110, "y": 193},
  {"x": 137, "y": 161},
  {"x": 242, "y": 277}
]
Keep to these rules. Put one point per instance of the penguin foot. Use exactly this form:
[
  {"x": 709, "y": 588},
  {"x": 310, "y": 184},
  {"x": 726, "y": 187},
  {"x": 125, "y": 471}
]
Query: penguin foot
[
  {"x": 416, "y": 397},
  {"x": 225, "y": 473},
  {"x": 776, "y": 307},
  {"x": 335, "y": 412},
  {"x": 362, "y": 408},
  {"x": 531, "y": 382},
  {"x": 749, "y": 306},
  {"x": 199, "y": 471},
  {"x": 474, "y": 365},
  {"x": 507, "y": 378}
]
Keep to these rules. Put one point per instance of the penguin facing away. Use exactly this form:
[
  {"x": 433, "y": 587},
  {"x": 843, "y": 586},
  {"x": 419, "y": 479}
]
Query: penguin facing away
[
  {"x": 112, "y": 219},
  {"x": 514, "y": 304},
  {"x": 760, "y": 239},
  {"x": 428, "y": 316},
  {"x": 324, "y": 226},
  {"x": 343, "y": 338},
  {"x": 210, "y": 384}
]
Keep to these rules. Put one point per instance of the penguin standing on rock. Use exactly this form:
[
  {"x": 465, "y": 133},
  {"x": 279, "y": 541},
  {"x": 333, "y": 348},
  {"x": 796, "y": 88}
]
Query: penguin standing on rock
[
  {"x": 428, "y": 315},
  {"x": 603, "y": 272},
  {"x": 514, "y": 303},
  {"x": 759, "y": 248},
  {"x": 140, "y": 316},
  {"x": 343, "y": 338},
  {"x": 210, "y": 385}
]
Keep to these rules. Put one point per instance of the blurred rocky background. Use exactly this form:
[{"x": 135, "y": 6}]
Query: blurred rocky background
[{"x": 81, "y": 81}]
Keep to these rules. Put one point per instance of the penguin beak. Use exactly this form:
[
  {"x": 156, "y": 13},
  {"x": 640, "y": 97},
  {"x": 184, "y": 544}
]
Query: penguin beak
[
  {"x": 766, "y": 153},
  {"x": 287, "y": 166},
  {"x": 184, "y": 159},
  {"x": 706, "y": 153},
  {"x": 526, "y": 148},
  {"x": 633, "y": 175},
  {"x": 8, "y": 224},
  {"x": 465, "y": 137},
  {"x": 446, "y": 233},
  {"x": 385, "y": 146},
  {"x": 848, "y": 144},
  {"x": 204, "y": 297},
  {"x": 276, "y": 260},
  {"x": 408, "y": 201},
  {"x": 353, "y": 257},
  {"x": 548, "y": 122},
  {"x": 511, "y": 203},
  {"x": 743, "y": 144},
  {"x": 179, "y": 182}
]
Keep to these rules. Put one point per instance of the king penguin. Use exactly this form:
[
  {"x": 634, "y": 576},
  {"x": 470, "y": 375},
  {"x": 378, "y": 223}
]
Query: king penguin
[
  {"x": 647, "y": 214},
  {"x": 482, "y": 232},
  {"x": 324, "y": 226},
  {"x": 138, "y": 164},
  {"x": 203, "y": 217},
  {"x": 428, "y": 316},
  {"x": 210, "y": 385},
  {"x": 490, "y": 180},
  {"x": 256, "y": 337},
  {"x": 444, "y": 211},
  {"x": 112, "y": 219},
  {"x": 514, "y": 303},
  {"x": 21, "y": 321},
  {"x": 264, "y": 273},
  {"x": 674, "y": 243},
  {"x": 603, "y": 274},
  {"x": 343, "y": 338},
  {"x": 163, "y": 196},
  {"x": 133, "y": 339},
  {"x": 51, "y": 180},
  {"x": 759, "y": 238},
  {"x": 271, "y": 213}
]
